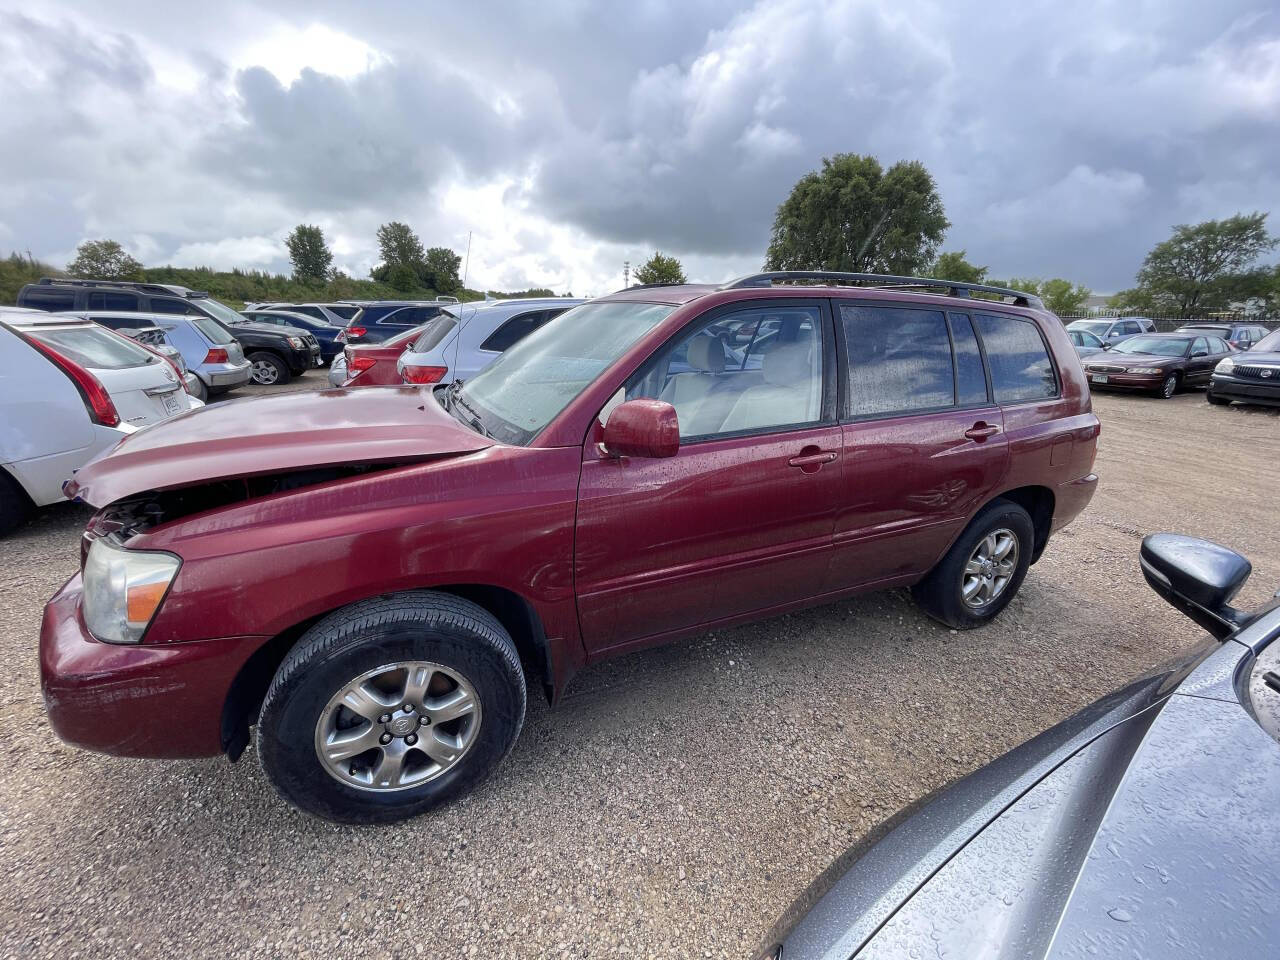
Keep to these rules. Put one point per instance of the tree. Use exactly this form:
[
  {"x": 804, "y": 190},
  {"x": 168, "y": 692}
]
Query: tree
[
  {"x": 104, "y": 260},
  {"x": 309, "y": 254},
  {"x": 1205, "y": 267},
  {"x": 853, "y": 215},
  {"x": 1059, "y": 295},
  {"x": 397, "y": 244},
  {"x": 660, "y": 269},
  {"x": 439, "y": 270},
  {"x": 953, "y": 266}
]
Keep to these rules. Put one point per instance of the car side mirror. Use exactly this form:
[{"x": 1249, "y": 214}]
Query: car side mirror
[
  {"x": 1197, "y": 577},
  {"x": 1199, "y": 353},
  {"x": 642, "y": 428},
  {"x": 1105, "y": 345}
]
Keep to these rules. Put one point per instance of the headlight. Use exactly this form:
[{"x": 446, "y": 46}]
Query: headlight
[
  {"x": 123, "y": 590},
  {"x": 296, "y": 342},
  {"x": 1143, "y": 370},
  {"x": 1225, "y": 365}
]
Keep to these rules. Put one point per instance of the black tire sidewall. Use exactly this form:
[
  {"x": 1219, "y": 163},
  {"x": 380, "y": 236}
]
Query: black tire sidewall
[
  {"x": 286, "y": 730},
  {"x": 941, "y": 592},
  {"x": 282, "y": 369},
  {"x": 1166, "y": 396}
]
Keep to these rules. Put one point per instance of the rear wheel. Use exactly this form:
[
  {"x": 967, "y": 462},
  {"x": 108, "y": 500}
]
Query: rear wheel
[
  {"x": 390, "y": 707},
  {"x": 201, "y": 392},
  {"x": 268, "y": 369},
  {"x": 1169, "y": 387},
  {"x": 982, "y": 571}
]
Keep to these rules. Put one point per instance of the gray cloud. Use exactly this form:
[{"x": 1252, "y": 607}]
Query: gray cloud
[{"x": 1066, "y": 139}]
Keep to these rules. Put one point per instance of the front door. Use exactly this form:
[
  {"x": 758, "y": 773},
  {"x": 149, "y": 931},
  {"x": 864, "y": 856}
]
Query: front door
[
  {"x": 923, "y": 440},
  {"x": 740, "y": 520}
]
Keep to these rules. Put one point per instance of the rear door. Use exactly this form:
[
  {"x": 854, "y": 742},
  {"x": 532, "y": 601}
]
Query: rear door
[
  {"x": 740, "y": 520},
  {"x": 923, "y": 439}
]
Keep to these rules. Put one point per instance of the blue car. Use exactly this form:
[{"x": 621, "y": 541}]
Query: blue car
[
  {"x": 325, "y": 333},
  {"x": 1146, "y": 826}
]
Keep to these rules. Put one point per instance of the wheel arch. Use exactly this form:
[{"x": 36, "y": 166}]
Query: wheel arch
[
  {"x": 516, "y": 614},
  {"x": 1039, "y": 502}
]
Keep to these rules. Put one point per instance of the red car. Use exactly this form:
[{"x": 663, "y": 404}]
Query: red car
[
  {"x": 374, "y": 364},
  {"x": 372, "y": 577}
]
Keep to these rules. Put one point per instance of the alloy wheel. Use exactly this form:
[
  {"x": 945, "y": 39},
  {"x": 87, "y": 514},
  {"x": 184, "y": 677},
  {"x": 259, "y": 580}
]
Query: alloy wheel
[
  {"x": 397, "y": 726},
  {"x": 990, "y": 568},
  {"x": 1169, "y": 387},
  {"x": 265, "y": 372}
]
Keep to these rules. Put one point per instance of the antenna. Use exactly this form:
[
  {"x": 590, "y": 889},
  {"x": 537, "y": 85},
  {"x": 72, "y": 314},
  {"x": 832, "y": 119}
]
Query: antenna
[
  {"x": 457, "y": 337},
  {"x": 626, "y": 274}
]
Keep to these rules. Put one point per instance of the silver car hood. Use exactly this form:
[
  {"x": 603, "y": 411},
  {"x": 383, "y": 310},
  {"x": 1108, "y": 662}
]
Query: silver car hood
[{"x": 1132, "y": 830}]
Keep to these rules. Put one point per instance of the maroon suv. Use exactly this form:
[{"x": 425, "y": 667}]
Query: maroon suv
[{"x": 370, "y": 576}]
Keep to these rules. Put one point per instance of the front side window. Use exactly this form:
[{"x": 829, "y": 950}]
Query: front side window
[
  {"x": 741, "y": 372},
  {"x": 527, "y": 387},
  {"x": 1200, "y": 348},
  {"x": 52, "y": 300},
  {"x": 1020, "y": 366},
  {"x": 899, "y": 360}
]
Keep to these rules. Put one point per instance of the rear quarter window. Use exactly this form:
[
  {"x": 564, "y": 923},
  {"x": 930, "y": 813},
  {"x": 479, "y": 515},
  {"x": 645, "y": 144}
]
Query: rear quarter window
[
  {"x": 213, "y": 331},
  {"x": 434, "y": 335},
  {"x": 1020, "y": 366}
]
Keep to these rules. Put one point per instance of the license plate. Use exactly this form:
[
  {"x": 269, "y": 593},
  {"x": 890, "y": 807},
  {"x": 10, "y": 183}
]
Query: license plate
[
  {"x": 172, "y": 406},
  {"x": 1098, "y": 378}
]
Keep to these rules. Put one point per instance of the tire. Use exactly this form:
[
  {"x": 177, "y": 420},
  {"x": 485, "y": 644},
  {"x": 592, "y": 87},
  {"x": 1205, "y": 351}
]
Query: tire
[
  {"x": 1169, "y": 387},
  {"x": 446, "y": 638},
  {"x": 202, "y": 392},
  {"x": 268, "y": 369},
  {"x": 941, "y": 594},
  {"x": 15, "y": 505},
  {"x": 1216, "y": 400}
]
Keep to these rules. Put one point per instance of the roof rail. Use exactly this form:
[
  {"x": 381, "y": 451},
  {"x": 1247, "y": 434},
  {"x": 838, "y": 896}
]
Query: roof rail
[
  {"x": 162, "y": 289},
  {"x": 954, "y": 288}
]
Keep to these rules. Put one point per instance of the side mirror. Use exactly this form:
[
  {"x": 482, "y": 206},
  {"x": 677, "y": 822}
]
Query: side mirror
[
  {"x": 1105, "y": 345},
  {"x": 642, "y": 428},
  {"x": 1199, "y": 353},
  {"x": 1197, "y": 577}
]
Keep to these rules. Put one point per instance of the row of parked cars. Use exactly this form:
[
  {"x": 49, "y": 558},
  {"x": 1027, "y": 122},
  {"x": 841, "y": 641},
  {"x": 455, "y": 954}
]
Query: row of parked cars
[{"x": 1129, "y": 354}]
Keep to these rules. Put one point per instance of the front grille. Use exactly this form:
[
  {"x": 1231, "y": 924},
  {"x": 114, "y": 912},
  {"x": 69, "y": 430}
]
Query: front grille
[
  {"x": 1102, "y": 368},
  {"x": 1259, "y": 373}
]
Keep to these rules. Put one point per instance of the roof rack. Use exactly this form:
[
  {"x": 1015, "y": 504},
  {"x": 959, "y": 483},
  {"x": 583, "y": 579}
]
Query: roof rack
[
  {"x": 954, "y": 289},
  {"x": 162, "y": 289}
]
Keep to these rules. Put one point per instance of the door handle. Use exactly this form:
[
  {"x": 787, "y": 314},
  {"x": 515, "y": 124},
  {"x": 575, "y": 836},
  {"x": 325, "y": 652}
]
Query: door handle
[
  {"x": 981, "y": 431},
  {"x": 814, "y": 458}
]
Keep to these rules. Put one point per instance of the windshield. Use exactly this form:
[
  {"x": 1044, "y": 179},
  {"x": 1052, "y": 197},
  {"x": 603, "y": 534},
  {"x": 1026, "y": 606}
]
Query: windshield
[
  {"x": 527, "y": 387},
  {"x": 220, "y": 311},
  {"x": 1207, "y": 331},
  {"x": 1154, "y": 346},
  {"x": 1098, "y": 327},
  {"x": 1269, "y": 343}
]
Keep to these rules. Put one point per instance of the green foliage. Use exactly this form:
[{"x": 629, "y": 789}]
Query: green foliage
[
  {"x": 104, "y": 260},
  {"x": 440, "y": 271},
  {"x": 407, "y": 265},
  {"x": 1204, "y": 267},
  {"x": 660, "y": 269},
  {"x": 309, "y": 254},
  {"x": 854, "y": 215},
  {"x": 398, "y": 244},
  {"x": 522, "y": 294},
  {"x": 17, "y": 271},
  {"x": 953, "y": 266},
  {"x": 1060, "y": 296}
]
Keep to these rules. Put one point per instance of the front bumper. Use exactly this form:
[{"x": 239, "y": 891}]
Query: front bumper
[
  {"x": 1127, "y": 381},
  {"x": 1250, "y": 391},
  {"x": 134, "y": 700},
  {"x": 225, "y": 374}
]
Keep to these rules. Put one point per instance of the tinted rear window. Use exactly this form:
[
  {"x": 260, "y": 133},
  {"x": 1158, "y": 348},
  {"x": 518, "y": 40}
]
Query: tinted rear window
[
  {"x": 346, "y": 313},
  {"x": 161, "y": 305},
  {"x": 899, "y": 360},
  {"x": 1020, "y": 365},
  {"x": 514, "y": 330},
  {"x": 49, "y": 299},
  {"x": 113, "y": 301},
  {"x": 96, "y": 348},
  {"x": 434, "y": 335},
  {"x": 213, "y": 331}
]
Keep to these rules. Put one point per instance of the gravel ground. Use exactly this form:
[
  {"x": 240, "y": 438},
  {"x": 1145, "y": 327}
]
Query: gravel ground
[{"x": 671, "y": 807}]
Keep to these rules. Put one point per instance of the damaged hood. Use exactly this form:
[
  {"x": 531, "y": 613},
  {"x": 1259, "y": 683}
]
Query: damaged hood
[{"x": 264, "y": 435}]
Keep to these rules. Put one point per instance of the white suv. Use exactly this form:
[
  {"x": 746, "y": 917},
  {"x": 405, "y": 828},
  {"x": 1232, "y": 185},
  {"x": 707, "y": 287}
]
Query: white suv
[
  {"x": 460, "y": 347},
  {"x": 70, "y": 389}
]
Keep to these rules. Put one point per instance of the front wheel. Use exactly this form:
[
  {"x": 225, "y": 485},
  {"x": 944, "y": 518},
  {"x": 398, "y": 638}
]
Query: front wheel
[
  {"x": 390, "y": 707},
  {"x": 1216, "y": 400},
  {"x": 982, "y": 571},
  {"x": 1169, "y": 387},
  {"x": 268, "y": 369}
]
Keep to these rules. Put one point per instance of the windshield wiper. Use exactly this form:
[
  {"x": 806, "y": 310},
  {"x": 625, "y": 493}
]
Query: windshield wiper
[{"x": 469, "y": 415}]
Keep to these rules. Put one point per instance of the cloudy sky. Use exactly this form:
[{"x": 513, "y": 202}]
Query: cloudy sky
[{"x": 568, "y": 136}]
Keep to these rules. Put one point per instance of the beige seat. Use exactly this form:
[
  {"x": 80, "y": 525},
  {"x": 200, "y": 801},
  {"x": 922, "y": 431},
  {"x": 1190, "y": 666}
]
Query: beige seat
[
  {"x": 791, "y": 392},
  {"x": 688, "y": 391}
]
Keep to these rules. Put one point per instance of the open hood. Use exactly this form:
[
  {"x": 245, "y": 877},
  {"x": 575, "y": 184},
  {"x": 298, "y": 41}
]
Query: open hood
[{"x": 266, "y": 435}]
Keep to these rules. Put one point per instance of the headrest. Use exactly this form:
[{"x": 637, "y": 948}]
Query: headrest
[
  {"x": 787, "y": 365},
  {"x": 706, "y": 353}
]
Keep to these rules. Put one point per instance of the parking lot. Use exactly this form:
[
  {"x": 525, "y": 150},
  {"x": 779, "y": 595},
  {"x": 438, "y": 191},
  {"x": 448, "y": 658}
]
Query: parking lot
[{"x": 672, "y": 806}]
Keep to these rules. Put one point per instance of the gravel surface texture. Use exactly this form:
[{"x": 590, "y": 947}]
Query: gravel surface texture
[{"x": 672, "y": 806}]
